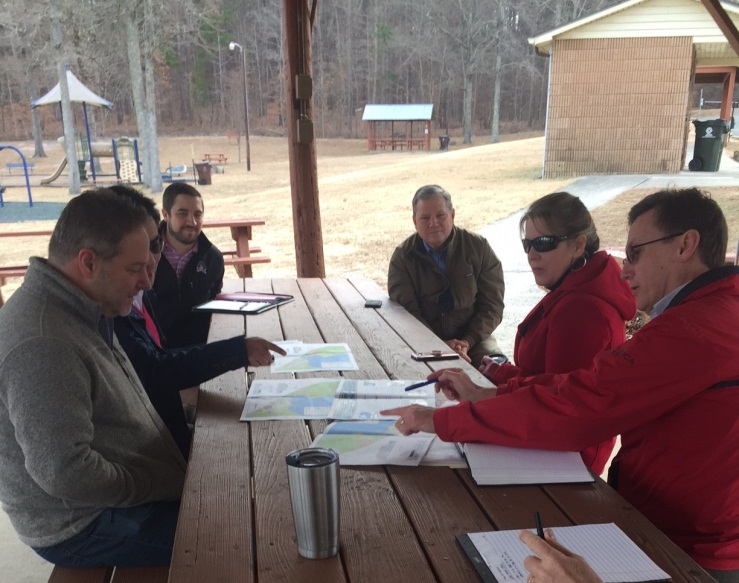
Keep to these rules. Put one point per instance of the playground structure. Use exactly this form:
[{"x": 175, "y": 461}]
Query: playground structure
[
  {"x": 124, "y": 151},
  {"x": 25, "y": 172}
]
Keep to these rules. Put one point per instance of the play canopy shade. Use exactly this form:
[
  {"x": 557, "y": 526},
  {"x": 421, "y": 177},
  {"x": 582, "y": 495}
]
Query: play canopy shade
[{"x": 77, "y": 92}]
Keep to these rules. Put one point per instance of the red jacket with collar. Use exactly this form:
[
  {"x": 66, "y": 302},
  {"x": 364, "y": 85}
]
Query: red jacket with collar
[
  {"x": 672, "y": 392},
  {"x": 584, "y": 315}
]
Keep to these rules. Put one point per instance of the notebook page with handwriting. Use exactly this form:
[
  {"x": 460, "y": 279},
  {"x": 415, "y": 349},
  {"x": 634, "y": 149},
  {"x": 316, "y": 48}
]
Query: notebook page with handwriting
[{"x": 611, "y": 554}]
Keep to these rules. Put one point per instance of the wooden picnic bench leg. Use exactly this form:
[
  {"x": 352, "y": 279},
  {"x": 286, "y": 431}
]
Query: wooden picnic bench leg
[{"x": 242, "y": 235}]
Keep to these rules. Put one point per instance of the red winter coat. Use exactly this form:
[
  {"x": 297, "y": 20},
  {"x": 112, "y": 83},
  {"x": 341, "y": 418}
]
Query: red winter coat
[
  {"x": 584, "y": 315},
  {"x": 672, "y": 392}
]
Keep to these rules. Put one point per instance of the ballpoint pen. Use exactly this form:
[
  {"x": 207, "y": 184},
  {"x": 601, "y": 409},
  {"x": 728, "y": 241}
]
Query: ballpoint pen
[
  {"x": 539, "y": 529},
  {"x": 419, "y": 385}
]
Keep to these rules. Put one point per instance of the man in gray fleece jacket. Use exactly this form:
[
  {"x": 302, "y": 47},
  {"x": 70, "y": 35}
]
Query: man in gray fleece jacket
[{"x": 89, "y": 473}]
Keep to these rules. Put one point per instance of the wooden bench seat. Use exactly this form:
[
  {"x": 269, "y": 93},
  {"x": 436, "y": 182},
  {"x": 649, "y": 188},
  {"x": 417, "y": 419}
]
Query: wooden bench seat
[
  {"x": 234, "y": 252},
  {"x": 109, "y": 575},
  {"x": 10, "y": 166},
  {"x": 251, "y": 260}
]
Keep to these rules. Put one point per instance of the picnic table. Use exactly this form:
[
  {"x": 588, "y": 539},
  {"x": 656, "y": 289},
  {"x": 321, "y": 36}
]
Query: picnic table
[
  {"x": 220, "y": 158},
  {"x": 242, "y": 258},
  {"x": 397, "y": 523},
  {"x": 241, "y": 231}
]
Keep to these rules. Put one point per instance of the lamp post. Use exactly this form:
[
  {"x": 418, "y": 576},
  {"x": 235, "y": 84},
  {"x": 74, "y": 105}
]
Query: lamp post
[{"x": 231, "y": 46}]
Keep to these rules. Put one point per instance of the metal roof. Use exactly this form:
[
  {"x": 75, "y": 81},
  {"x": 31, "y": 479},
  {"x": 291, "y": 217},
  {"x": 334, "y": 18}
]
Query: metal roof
[{"x": 404, "y": 112}]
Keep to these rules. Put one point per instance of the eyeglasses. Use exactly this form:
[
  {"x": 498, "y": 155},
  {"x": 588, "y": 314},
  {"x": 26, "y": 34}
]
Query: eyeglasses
[
  {"x": 632, "y": 255},
  {"x": 542, "y": 244},
  {"x": 156, "y": 245}
]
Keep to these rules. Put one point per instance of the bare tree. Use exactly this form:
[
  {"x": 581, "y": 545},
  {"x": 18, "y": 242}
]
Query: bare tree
[{"x": 61, "y": 68}]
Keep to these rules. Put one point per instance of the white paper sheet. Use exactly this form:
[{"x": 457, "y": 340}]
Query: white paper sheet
[{"x": 611, "y": 554}]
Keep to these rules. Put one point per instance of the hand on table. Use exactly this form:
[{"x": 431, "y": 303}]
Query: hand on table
[
  {"x": 413, "y": 418},
  {"x": 461, "y": 347},
  {"x": 258, "y": 351},
  {"x": 555, "y": 563}
]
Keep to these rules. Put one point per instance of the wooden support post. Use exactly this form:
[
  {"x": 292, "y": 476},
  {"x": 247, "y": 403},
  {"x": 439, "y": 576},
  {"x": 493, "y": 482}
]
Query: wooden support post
[{"x": 296, "y": 35}]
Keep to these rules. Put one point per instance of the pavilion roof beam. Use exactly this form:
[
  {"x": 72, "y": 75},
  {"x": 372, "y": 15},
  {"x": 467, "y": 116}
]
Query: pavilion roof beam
[{"x": 723, "y": 21}]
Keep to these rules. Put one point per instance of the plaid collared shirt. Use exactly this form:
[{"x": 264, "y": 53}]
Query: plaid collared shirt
[{"x": 177, "y": 261}]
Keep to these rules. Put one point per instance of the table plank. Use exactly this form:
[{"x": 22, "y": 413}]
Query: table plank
[
  {"x": 336, "y": 327},
  {"x": 377, "y": 539},
  {"x": 214, "y": 532},
  {"x": 390, "y": 349},
  {"x": 366, "y": 544},
  {"x": 416, "y": 334},
  {"x": 277, "y": 551},
  {"x": 277, "y": 554},
  {"x": 440, "y": 508}
]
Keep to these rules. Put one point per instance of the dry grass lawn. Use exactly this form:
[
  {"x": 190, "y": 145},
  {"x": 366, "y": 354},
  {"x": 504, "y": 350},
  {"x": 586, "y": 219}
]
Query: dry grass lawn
[{"x": 364, "y": 196}]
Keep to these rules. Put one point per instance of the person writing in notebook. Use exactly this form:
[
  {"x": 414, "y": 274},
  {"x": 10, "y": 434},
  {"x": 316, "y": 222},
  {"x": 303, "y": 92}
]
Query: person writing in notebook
[
  {"x": 164, "y": 372},
  {"x": 554, "y": 563},
  {"x": 671, "y": 391}
]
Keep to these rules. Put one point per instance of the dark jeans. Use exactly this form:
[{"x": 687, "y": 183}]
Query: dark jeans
[
  {"x": 724, "y": 576},
  {"x": 125, "y": 537}
]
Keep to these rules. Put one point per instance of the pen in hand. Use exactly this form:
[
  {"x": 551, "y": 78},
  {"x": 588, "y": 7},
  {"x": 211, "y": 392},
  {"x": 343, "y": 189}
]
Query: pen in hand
[
  {"x": 419, "y": 385},
  {"x": 539, "y": 529}
]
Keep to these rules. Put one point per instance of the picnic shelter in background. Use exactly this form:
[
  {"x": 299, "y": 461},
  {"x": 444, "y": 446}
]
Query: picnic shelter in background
[
  {"x": 621, "y": 81},
  {"x": 391, "y": 127}
]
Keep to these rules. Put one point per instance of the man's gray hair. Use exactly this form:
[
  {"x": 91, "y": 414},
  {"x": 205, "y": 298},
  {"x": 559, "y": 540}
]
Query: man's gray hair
[
  {"x": 96, "y": 219},
  {"x": 430, "y": 191}
]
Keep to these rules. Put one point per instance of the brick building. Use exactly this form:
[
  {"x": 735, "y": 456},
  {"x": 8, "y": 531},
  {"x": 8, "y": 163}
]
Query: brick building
[{"x": 620, "y": 84}]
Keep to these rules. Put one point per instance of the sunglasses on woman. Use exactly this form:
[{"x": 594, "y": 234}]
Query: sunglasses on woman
[{"x": 542, "y": 244}]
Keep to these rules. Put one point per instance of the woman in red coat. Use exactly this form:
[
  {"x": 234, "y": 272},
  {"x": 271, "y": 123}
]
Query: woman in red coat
[{"x": 586, "y": 307}]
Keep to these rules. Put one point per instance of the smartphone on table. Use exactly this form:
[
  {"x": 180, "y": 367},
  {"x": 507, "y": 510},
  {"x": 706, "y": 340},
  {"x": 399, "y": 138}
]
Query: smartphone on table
[{"x": 434, "y": 355}]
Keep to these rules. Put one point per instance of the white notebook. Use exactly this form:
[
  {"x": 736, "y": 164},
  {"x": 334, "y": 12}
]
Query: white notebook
[
  {"x": 498, "y": 556},
  {"x": 497, "y": 465}
]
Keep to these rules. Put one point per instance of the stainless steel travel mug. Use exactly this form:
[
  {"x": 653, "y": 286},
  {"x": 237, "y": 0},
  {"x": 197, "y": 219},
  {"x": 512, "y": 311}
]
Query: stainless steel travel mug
[{"x": 313, "y": 477}]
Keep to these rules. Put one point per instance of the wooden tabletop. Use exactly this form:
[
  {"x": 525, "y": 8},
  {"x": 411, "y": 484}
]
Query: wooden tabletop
[
  {"x": 236, "y": 223},
  {"x": 397, "y": 523}
]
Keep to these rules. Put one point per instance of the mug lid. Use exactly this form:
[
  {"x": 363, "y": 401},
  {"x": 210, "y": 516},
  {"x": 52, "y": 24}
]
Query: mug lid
[{"x": 311, "y": 457}]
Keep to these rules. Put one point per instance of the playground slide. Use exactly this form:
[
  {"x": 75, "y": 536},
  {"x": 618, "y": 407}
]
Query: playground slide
[{"x": 57, "y": 172}]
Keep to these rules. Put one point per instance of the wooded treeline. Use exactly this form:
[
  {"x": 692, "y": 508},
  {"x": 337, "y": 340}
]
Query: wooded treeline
[{"x": 470, "y": 58}]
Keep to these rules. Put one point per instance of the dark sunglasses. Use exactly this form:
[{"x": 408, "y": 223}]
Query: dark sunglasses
[
  {"x": 542, "y": 244},
  {"x": 632, "y": 251},
  {"x": 156, "y": 245}
]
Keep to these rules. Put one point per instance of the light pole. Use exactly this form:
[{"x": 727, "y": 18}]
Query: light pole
[{"x": 231, "y": 46}]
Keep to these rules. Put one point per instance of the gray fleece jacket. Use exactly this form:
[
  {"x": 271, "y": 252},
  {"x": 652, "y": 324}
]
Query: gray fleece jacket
[{"x": 78, "y": 433}]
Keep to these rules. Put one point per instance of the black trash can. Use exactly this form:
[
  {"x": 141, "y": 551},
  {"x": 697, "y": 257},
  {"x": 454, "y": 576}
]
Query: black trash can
[
  {"x": 82, "y": 165},
  {"x": 204, "y": 173},
  {"x": 443, "y": 142},
  {"x": 709, "y": 144}
]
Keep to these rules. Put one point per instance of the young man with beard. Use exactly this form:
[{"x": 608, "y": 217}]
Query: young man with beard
[{"x": 192, "y": 270}]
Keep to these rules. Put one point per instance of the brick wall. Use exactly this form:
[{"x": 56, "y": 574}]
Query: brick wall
[{"x": 618, "y": 106}]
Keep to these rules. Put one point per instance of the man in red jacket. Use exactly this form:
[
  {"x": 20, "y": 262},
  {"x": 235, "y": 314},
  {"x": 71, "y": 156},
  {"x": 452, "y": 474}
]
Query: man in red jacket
[{"x": 672, "y": 391}]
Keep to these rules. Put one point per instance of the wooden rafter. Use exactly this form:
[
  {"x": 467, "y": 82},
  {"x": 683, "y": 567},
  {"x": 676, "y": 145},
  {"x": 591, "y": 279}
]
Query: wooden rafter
[{"x": 723, "y": 21}]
